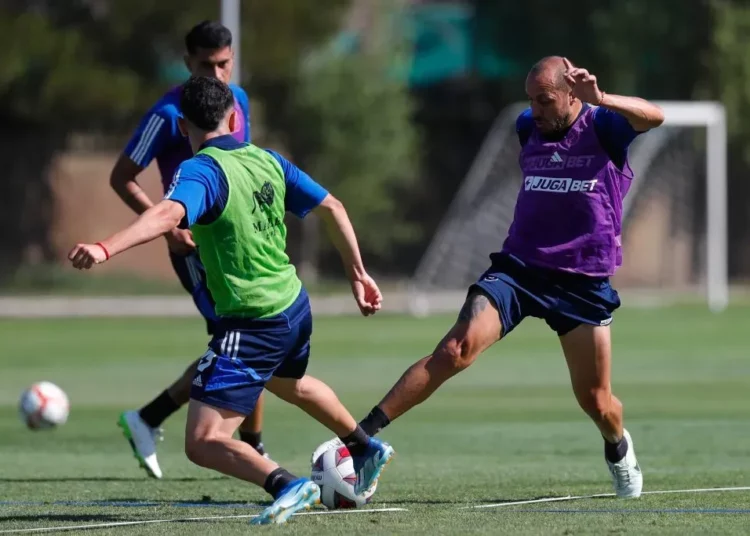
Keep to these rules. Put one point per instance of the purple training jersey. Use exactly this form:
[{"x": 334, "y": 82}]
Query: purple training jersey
[
  {"x": 568, "y": 215},
  {"x": 158, "y": 135}
]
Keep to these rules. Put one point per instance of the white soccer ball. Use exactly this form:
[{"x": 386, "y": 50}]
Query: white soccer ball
[
  {"x": 43, "y": 405},
  {"x": 333, "y": 472}
]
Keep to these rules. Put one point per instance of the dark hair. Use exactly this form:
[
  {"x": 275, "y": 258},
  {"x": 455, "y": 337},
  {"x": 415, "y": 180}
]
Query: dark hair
[
  {"x": 205, "y": 102},
  {"x": 209, "y": 35}
]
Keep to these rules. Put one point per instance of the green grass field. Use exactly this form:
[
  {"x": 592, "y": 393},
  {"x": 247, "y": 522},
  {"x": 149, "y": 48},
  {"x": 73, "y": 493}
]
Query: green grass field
[{"x": 508, "y": 429}]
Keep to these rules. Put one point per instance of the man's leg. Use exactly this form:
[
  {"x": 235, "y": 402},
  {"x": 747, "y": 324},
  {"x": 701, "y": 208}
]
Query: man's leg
[
  {"x": 588, "y": 352},
  {"x": 478, "y": 327},
  {"x": 209, "y": 442},
  {"x": 252, "y": 426},
  {"x": 370, "y": 455}
]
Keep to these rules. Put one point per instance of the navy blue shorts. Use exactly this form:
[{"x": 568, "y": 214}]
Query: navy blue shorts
[
  {"x": 245, "y": 353},
  {"x": 192, "y": 275},
  {"x": 563, "y": 300}
]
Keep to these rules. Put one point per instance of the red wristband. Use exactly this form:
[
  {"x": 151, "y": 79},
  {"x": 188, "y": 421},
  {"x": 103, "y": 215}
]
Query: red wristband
[{"x": 106, "y": 253}]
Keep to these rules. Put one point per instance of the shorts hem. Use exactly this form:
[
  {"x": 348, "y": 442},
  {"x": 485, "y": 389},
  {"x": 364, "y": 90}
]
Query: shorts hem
[
  {"x": 505, "y": 328},
  {"x": 223, "y": 404}
]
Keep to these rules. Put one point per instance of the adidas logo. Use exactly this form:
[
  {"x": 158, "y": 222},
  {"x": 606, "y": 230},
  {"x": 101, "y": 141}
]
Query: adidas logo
[
  {"x": 197, "y": 381},
  {"x": 555, "y": 158}
]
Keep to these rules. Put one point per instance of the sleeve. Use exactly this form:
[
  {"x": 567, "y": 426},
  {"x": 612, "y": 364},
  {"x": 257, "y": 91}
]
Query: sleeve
[
  {"x": 244, "y": 103},
  {"x": 524, "y": 124},
  {"x": 195, "y": 185},
  {"x": 614, "y": 131},
  {"x": 303, "y": 194},
  {"x": 153, "y": 133}
]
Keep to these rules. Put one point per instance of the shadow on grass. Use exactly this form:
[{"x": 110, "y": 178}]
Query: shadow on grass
[
  {"x": 61, "y": 517},
  {"x": 108, "y": 479}
]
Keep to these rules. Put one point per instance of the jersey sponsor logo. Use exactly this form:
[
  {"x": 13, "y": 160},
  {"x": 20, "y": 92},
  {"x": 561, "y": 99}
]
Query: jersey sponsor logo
[
  {"x": 558, "y": 185},
  {"x": 264, "y": 197},
  {"x": 557, "y": 161}
]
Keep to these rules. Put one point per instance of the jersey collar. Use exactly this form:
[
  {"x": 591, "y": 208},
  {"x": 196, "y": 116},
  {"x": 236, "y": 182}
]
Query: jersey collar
[{"x": 227, "y": 142}]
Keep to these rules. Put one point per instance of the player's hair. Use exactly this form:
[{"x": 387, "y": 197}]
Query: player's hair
[
  {"x": 553, "y": 64},
  {"x": 209, "y": 35},
  {"x": 205, "y": 102}
]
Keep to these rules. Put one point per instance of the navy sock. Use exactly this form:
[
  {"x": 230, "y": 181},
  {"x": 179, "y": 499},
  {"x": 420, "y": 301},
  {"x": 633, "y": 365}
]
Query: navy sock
[
  {"x": 356, "y": 442},
  {"x": 156, "y": 412},
  {"x": 253, "y": 439},
  {"x": 375, "y": 421},
  {"x": 277, "y": 481},
  {"x": 614, "y": 452}
]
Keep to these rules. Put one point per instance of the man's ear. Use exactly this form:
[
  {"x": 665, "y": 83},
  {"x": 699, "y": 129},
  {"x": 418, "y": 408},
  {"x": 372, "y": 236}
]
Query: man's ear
[{"x": 232, "y": 122}]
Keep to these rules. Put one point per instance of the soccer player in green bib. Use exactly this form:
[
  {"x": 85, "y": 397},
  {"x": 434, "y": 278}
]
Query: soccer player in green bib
[{"x": 233, "y": 197}]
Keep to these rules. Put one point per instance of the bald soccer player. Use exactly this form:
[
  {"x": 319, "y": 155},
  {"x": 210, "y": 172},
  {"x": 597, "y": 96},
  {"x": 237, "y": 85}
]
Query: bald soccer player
[{"x": 562, "y": 248}]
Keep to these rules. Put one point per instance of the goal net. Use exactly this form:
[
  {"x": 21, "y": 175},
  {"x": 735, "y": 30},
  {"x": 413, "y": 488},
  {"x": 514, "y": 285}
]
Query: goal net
[{"x": 674, "y": 218}]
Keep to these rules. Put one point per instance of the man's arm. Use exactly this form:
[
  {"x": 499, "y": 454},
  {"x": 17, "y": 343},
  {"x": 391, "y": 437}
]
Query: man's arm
[
  {"x": 641, "y": 114},
  {"x": 154, "y": 222},
  {"x": 152, "y": 135},
  {"x": 341, "y": 232},
  {"x": 304, "y": 195},
  {"x": 124, "y": 183},
  {"x": 195, "y": 188}
]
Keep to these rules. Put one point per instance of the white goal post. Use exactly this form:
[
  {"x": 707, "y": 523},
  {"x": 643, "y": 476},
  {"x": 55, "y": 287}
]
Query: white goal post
[
  {"x": 477, "y": 221},
  {"x": 711, "y": 115}
]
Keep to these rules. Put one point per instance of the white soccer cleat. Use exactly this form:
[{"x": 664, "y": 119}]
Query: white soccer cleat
[
  {"x": 334, "y": 443},
  {"x": 626, "y": 474},
  {"x": 142, "y": 439}
]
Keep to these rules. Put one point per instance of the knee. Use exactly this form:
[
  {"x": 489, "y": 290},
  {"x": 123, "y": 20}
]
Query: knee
[
  {"x": 196, "y": 447},
  {"x": 597, "y": 403},
  {"x": 455, "y": 355}
]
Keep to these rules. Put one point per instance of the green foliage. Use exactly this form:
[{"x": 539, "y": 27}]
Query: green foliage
[
  {"x": 277, "y": 33},
  {"x": 731, "y": 40},
  {"x": 355, "y": 119}
]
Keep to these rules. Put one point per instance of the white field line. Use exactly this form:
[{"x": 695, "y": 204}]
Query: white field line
[
  {"x": 183, "y": 519},
  {"x": 598, "y": 495}
]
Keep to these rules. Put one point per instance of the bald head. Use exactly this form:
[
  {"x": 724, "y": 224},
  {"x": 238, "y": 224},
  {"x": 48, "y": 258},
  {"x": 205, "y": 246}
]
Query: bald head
[
  {"x": 553, "y": 105},
  {"x": 550, "y": 70}
]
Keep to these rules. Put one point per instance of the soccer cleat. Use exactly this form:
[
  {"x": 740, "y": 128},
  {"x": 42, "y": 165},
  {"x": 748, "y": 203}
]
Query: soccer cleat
[
  {"x": 626, "y": 474},
  {"x": 298, "y": 495},
  {"x": 369, "y": 466},
  {"x": 334, "y": 443},
  {"x": 142, "y": 439}
]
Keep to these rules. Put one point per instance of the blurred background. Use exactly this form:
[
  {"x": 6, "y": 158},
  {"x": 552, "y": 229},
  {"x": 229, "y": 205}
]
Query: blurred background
[{"x": 404, "y": 109}]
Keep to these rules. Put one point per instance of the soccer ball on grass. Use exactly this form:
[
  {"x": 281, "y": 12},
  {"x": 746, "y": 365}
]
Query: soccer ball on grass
[
  {"x": 43, "y": 405},
  {"x": 333, "y": 472}
]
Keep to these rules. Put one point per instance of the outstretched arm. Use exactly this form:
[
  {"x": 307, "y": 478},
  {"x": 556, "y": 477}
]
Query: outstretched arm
[
  {"x": 641, "y": 114},
  {"x": 154, "y": 222},
  {"x": 340, "y": 230}
]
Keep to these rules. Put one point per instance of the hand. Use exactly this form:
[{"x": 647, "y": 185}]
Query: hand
[
  {"x": 84, "y": 256},
  {"x": 583, "y": 84},
  {"x": 367, "y": 295},
  {"x": 180, "y": 241}
]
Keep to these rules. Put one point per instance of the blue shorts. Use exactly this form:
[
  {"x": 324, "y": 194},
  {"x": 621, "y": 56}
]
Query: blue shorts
[
  {"x": 192, "y": 275},
  {"x": 245, "y": 353},
  {"x": 563, "y": 300}
]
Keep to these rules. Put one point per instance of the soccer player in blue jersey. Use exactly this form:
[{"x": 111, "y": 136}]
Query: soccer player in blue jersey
[
  {"x": 209, "y": 53},
  {"x": 562, "y": 247},
  {"x": 234, "y": 197}
]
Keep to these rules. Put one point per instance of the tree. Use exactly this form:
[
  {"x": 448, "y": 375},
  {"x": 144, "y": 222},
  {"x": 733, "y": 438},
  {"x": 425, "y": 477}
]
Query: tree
[
  {"x": 356, "y": 135},
  {"x": 730, "y": 82}
]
